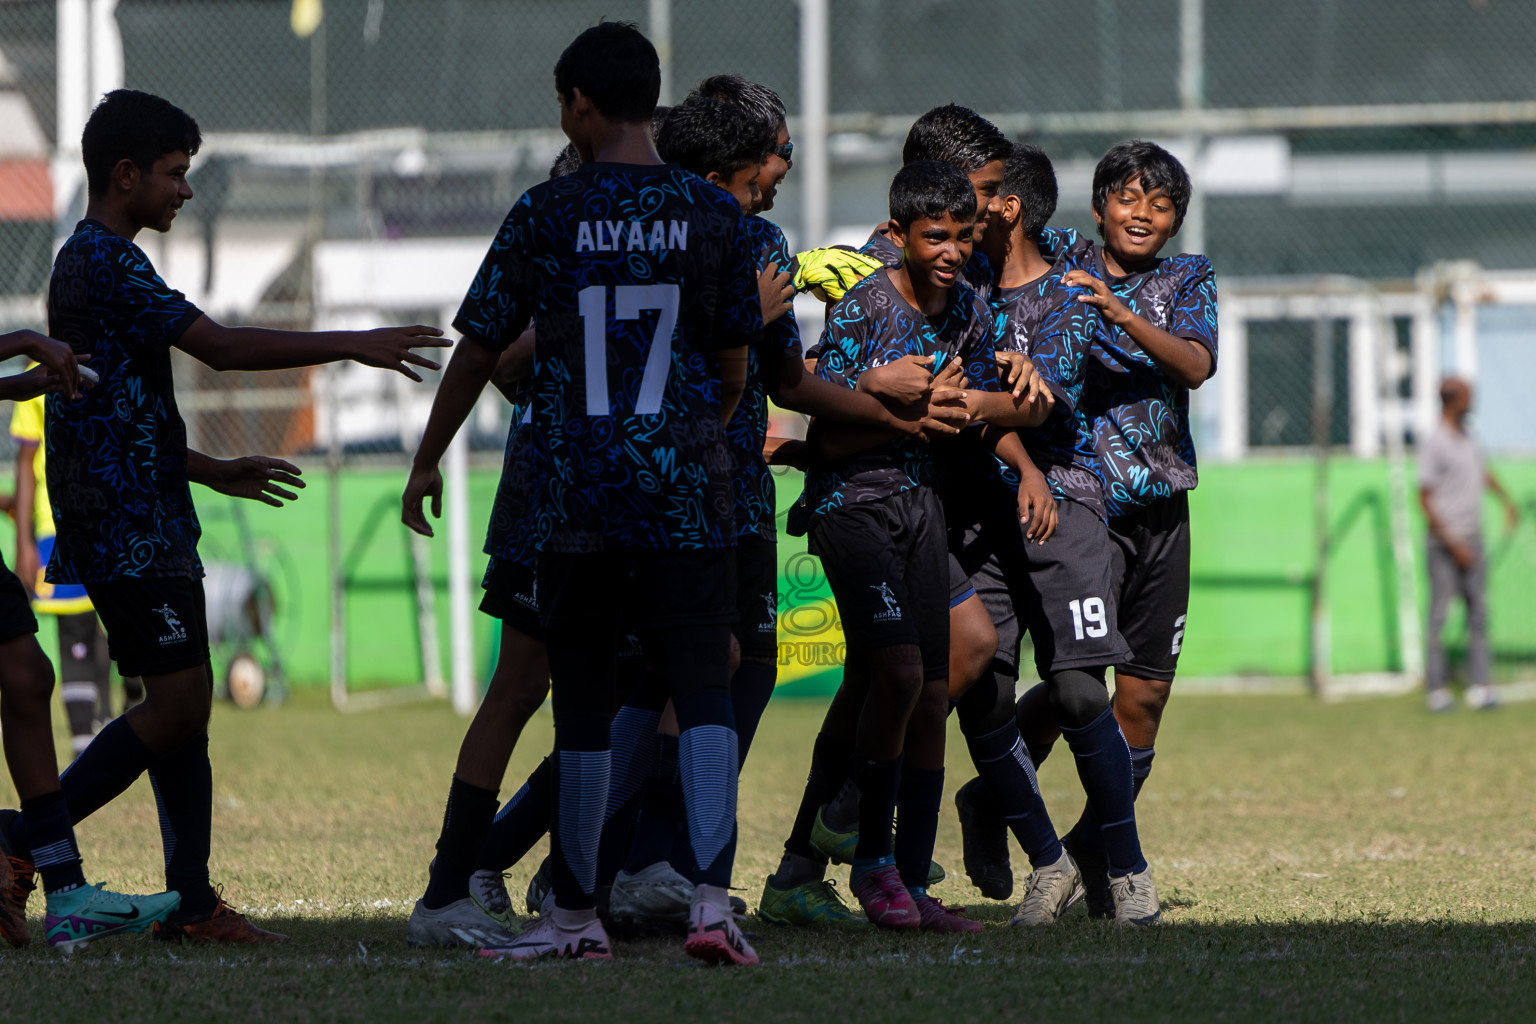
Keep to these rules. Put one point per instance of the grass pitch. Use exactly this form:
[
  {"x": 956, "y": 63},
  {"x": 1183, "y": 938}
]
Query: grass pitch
[{"x": 1357, "y": 861}]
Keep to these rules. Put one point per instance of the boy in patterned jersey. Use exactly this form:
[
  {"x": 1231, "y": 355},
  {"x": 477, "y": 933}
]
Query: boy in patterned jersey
[
  {"x": 1059, "y": 589},
  {"x": 1157, "y": 340},
  {"x": 119, "y": 475},
  {"x": 76, "y": 912},
  {"x": 774, "y": 368},
  {"x": 959, "y": 136},
  {"x": 878, "y": 528},
  {"x": 644, "y": 287}
]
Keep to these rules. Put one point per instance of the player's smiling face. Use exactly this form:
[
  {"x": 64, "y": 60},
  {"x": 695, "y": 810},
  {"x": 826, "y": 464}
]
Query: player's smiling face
[
  {"x": 935, "y": 250},
  {"x": 987, "y": 180},
  {"x": 1135, "y": 224},
  {"x": 158, "y": 193},
  {"x": 774, "y": 169}
]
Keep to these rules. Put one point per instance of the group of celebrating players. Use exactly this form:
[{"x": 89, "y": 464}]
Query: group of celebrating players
[{"x": 999, "y": 442}]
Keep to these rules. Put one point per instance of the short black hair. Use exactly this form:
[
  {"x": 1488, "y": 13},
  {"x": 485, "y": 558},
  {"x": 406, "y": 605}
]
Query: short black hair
[
  {"x": 931, "y": 189},
  {"x": 703, "y": 135},
  {"x": 1158, "y": 168},
  {"x": 566, "y": 162},
  {"x": 132, "y": 125},
  {"x": 615, "y": 67},
  {"x": 1029, "y": 175},
  {"x": 758, "y": 101},
  {"x": 956, "y": 135},
  {"x": 658, "y": 118}
]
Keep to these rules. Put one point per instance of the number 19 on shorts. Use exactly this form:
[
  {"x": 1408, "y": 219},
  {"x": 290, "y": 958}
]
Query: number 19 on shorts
[{"x": 1088, "y": 618}]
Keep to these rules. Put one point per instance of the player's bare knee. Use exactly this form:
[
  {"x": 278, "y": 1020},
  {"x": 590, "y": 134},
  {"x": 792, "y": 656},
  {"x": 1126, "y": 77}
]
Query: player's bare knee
[
  {"x": 897, "y": 672},
  {"x": 26, "y": 684}
]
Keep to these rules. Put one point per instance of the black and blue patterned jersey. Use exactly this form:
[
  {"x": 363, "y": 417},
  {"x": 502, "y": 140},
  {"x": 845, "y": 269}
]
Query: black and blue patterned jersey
[
  {"x": 871, "y": 326},
  {"x": 1140, "y": 417},
  {"x": 748, "y": 429},
  {"x": 636, "y": 275},
  {"x": 117, "y": 456},
  {"x": 509, "y": 537},
  {"x": 1044, "y": 320}
]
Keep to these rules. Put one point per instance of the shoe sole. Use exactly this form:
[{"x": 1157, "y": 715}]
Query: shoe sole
[
  {"x": 716, "y": 953},
  {"x": 503, "y": 954}
]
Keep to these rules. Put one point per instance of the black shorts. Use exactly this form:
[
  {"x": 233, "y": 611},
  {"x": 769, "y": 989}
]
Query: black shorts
[
  {"x": 512, "y": 595},
  {"x": 960, "y": 588},
  {"x": 639, "y": 589},
  {"x": 154, "y": 626},
  {"x": 757, "y": 597},
  {"x": 16, "y": 618},
  {"x": 887, "y": 564},
  {"x": 1152, "y": 577},
  {"x": 1061, "y": 591}
]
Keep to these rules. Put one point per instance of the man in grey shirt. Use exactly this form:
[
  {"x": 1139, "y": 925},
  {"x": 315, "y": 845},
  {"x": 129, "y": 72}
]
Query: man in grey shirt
[{"x": 1452, "y": 476}]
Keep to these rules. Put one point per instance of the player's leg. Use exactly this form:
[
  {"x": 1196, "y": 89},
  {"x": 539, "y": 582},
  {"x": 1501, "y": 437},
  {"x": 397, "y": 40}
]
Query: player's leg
[
  {"x": 448, "y": 913},
  {"x": 78, "y": 684},
  {"x": 798, "y": 893},
  {"x": 580, "y": 597},
  {"x": 40, "y": 839},
  {"x": 1442, "y": 586},
  {"x": 1474, "y": 591},
  {"x": 921, "y": 792}
]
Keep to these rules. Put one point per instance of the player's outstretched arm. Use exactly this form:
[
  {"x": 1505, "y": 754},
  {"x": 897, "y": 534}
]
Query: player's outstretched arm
[
  {"x": 1187, "y": 362},
  {"x": 468, "y": 370},
  {"x": 58, "y": 367},
  {"x": 257, "y": 348},
  {"x": 1003, "y": 409},
  {"x": 803, "y": 392},
  {"x": 257, "y": 477}
]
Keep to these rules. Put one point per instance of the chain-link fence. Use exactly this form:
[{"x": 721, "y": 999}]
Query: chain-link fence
[{"x": 353, "y": 175}]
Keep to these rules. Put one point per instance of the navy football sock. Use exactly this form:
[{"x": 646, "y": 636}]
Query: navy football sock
[
  {"x": 917, "y": 822},
  {"x": 751, "y": 689},
  {"x": 520, "y": 823},
  {"x": 466, "y": 821},
  {"x": 52, "y": 840},
  {"x": 878, "y": 782},
  {"x": 708, "y": 763},
  {"x": 1085, "y": 835},
  {"x": 634, "y": 751},
  {"x": 661, "y": 810},
  {"x": 115, "y": 758},
  {"x": 1004, "y": 766},
  {"x": 1038, "y": 751},
  {"x": 1104, "y": 766},
  {"x": 183, "y": 785},
  {"x": 581, "y": 770},
  {"x": 829, "y": 770}
]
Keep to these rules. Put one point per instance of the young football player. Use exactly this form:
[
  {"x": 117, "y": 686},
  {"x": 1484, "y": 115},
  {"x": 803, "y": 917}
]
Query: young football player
[
  {"x": 879, "y": 530},
  {"x": 1157, "y": 341},
  {"x": 119, "y": 476},
  {"x": 644, "y": 289},
  {"x": 76, "y": 912},
  {"x": 1059, "y": 587}
]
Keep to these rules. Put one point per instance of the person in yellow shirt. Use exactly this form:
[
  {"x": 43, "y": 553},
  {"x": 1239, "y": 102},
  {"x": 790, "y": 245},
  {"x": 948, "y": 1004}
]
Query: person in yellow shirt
[{"x": 85, "y": 670}]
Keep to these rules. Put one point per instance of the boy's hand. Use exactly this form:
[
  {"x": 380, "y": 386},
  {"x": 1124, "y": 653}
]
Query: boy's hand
[
  {"x": 60, "y": 359},
  {"x": 257, "y": 477},
  {"x": 943, "y": 415},
  {"x": 903, "y": 381},
  {"x": 422, "y": 484},
  {"x": 389, "y": 348},
  {"x": 1037, "y": 508},
  {"x": 952, "y": 376},
  {"x": 830, "y": 272},
  {"x": 776, "y": 292},
  {"x": 783, "y": 451},
  {"x": 1108, "y": 303},
  {"x": 1017, "y": 371}
]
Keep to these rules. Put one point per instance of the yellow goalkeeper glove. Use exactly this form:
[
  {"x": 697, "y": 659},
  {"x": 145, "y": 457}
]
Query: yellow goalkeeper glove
[{"x": 829, "y": 273}]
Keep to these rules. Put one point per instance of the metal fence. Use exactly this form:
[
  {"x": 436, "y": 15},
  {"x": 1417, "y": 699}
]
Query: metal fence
[{"x": 353, "y": 174}]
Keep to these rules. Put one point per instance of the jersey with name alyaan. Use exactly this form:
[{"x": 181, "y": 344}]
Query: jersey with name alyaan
[
  {"x": 748, "y": 429},
  {"x": 637, "y": 275},
  {"x": 1141, "y": 417},
  {"x": 871, "y": 326}
]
